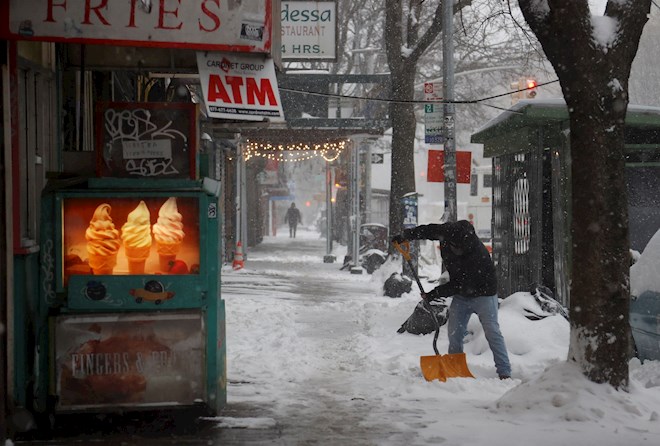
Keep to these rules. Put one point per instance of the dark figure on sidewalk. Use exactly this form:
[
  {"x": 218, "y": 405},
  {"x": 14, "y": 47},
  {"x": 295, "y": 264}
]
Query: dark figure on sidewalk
[
  {"x": 293, "y": 217},
  {"x": 472, "y": 285}
]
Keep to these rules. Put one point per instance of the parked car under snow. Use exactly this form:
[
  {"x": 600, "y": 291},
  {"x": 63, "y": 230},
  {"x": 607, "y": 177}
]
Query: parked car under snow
[{"x": 645, "y": 301}]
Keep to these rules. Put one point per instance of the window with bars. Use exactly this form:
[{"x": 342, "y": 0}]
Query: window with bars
[{"x": 521, "y": 222}]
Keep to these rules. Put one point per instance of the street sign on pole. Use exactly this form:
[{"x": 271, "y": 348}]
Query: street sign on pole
[
  {"x": 410, "y": 220},
  {"x": 433, "y": 91},
  {"x": 433, "y": 124}
]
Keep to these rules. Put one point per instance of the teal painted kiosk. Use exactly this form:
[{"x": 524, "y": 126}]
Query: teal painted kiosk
[{"x": 130, "y": 314}]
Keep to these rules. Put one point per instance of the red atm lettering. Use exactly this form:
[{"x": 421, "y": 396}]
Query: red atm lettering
[
  {"x": 217, "y": 91},
  {"x": 254, "y": 93},
  {"x": 235, "y": 83}
]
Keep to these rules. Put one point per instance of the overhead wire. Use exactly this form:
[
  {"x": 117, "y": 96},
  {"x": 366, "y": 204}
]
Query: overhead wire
[{"x": 399, "y": 101}]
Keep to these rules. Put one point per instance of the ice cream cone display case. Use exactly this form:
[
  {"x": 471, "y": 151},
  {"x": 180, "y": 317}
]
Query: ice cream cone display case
[
  {"x": 130, "y": 236},
  {"x": 130, "y": 286}
]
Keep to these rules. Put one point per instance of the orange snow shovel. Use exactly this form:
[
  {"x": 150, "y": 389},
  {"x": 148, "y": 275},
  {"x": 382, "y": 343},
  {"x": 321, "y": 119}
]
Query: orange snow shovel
[{"x": 438, "y": 366}]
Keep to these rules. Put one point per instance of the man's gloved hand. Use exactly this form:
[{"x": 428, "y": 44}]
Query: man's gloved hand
[
  {"x": 433, "y": 295},
  {"x": 398, "y": 239}
]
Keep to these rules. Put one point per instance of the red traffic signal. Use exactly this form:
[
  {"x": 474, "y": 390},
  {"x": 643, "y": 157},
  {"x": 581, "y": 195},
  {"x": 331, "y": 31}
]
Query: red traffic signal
[{"x": 530, "y": 88}]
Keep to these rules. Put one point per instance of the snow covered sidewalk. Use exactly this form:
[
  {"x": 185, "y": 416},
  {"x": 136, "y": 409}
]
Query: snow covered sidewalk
[{"x": 316, "y": 350}]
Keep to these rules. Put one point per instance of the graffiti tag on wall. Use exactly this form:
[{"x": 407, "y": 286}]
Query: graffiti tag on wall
[{"x": 147, "y": 140}]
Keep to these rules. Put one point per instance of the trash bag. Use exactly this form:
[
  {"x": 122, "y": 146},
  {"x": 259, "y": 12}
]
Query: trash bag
[
  {"x": 373, "y": 259},
  {"x": 421, "y": 320},
  {"x": 549, "y": 306},
  {"x": 396, "y": 285}
]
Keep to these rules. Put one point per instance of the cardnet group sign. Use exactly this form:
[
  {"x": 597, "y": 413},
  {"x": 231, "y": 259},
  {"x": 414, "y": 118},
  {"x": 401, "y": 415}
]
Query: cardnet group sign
[{"x": 239, "y": 87}]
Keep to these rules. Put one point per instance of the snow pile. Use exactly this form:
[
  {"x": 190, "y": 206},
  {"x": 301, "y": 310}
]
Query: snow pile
[{"x": 564, "y": 394}]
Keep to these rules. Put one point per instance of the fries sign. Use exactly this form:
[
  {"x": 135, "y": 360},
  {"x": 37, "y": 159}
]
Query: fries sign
[{"x": 214, "y": 25}]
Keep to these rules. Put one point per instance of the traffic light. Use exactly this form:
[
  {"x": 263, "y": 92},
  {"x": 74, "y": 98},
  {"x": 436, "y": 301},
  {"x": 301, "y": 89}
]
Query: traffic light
[{"x": 530, "y": 88}]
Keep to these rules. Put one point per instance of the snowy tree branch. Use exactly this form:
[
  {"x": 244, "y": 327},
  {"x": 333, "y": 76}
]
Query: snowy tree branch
[{"x": 435, "y": 28}]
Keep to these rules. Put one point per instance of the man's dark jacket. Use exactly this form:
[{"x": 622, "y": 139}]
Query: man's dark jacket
[
  {"x": 472, "y": 273},
  {"x": 293, "y": 216}
]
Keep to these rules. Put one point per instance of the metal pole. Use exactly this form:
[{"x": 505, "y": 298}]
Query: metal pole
[
  {"x": 5, "y": 249},
  {"x": 328, "y": 209},
  {"x": 244, "y": 219},
  {"x": 241, "y": 211},
  {"x": 355, "y": 207},
  {"x": 237, "y": 199},
  {"x": 367, "y": 183},
  {"x": 329, "y": 258},
  {"x": 449, "y": 124},
  {"x": 269, "y": 206}
]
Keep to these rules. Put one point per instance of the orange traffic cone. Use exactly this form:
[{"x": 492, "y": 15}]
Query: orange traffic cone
[{"x": 238, "y": 256}]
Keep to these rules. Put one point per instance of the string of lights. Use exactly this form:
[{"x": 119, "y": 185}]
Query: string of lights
[{"x": 290, "y": 153}]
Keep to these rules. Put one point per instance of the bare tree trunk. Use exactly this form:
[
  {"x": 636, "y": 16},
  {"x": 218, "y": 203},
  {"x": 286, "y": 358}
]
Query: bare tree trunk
[
  {"x": 404, "y": 123},
  {"x": 600, "y": 296},
  {"x": 594, "y": 79}
]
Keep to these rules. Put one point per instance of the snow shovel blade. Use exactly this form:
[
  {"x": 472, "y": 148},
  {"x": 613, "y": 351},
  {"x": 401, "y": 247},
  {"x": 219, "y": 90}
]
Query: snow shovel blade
[{"x": 445, "y": 366}]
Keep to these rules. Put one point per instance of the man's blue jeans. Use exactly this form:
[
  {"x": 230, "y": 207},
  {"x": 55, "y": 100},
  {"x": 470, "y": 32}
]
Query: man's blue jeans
[{"x": 485, "y": 307}]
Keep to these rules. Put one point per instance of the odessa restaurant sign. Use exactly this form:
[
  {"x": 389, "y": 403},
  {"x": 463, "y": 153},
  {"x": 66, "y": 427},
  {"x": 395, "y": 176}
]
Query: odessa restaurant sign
[
  {"x": 198, "y": 24},
  {"x": 309, "y": 30},
  {"x": 241, "y": 87}
]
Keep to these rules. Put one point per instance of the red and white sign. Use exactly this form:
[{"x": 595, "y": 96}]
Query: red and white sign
[
  {"x": 433, "y": 91},
  {"x": 240, "y": 87},
  {"x": 198, "y": 24},
  {"x": 436, "y": 167}
]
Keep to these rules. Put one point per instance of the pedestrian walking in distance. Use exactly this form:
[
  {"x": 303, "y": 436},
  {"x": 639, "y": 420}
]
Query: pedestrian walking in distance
[
  {"x": 293, "y": 217},
  {"x": 472, "y": 285}
]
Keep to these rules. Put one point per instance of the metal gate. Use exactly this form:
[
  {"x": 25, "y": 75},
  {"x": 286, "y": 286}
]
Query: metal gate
[{"x": 517, "y": 220}]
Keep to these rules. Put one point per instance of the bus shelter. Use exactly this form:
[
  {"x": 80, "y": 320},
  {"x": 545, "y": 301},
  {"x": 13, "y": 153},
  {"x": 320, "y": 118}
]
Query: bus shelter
[{"x": 531, "y": 214}]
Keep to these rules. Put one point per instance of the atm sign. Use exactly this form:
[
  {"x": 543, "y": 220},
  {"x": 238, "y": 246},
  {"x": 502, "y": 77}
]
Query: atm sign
[{"x": 240, "y": 87}]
